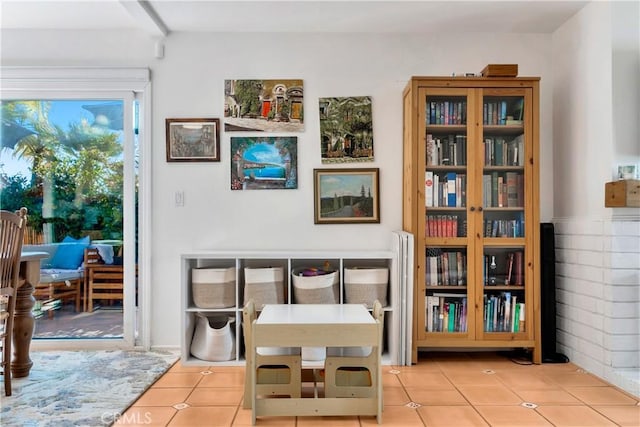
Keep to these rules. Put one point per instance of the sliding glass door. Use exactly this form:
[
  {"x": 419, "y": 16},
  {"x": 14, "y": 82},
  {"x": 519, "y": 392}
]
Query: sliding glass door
[{"x": 72, "y": 161}]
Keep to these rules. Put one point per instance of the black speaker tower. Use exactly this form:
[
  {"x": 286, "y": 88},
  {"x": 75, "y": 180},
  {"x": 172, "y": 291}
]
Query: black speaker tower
[{"x": 548, "y": 295}]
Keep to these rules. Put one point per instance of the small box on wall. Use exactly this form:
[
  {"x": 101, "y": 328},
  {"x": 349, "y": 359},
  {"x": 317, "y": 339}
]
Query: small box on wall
[{"x": 623, "y": 193}]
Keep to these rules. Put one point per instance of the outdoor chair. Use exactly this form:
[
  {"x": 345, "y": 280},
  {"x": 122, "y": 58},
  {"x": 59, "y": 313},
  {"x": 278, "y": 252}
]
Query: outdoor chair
[
  {"x": 104, "y": 282},
  {"x": 91, "y": 258},
  {"x": 11, "y": 238}
]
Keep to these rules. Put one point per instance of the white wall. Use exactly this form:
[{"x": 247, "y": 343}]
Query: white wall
[
  {"x": 626, "y": 82},
  {"x": 596, "y": 59},
  {"x": 188, "y": 82}
]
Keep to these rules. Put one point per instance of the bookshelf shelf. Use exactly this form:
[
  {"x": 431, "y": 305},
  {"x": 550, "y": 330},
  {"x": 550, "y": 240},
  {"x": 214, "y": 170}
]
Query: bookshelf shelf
[{"x": 470, "y": 200}]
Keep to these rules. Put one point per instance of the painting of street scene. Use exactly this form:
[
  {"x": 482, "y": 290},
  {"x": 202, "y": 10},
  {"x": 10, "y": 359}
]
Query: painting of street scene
[
  {"x": 263, "y": 106},
  {"x": 264, "y": 163},
  {"x": 191, "y": 140},
  {"x": 346, "y": 196},
  {"x": 346, "y": 129}
]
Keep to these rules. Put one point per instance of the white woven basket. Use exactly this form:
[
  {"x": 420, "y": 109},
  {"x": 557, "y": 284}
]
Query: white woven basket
[
  {"x": 321, "y": 289},
  {"x": 265, "y": 285},
  {"x": 213, "y": 287},
  {"x": 213, "y": 338},
  {"x": 365, "y": 285}
]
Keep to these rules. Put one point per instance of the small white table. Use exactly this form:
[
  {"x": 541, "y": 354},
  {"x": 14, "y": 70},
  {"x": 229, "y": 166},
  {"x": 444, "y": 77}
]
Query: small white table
[{"x": 316, "y": 325}]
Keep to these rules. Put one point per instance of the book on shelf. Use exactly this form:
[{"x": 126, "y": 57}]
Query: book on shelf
[
  {"x": 461, "y": 149},
  {"x": 518, "y": 109},
  {"x": 460, "y": 185},
  {"x": 519, "y": 268},
  {"x": 498, "y": 148},
  {"x": 444, "y": 272},
  {"x": 451, "y": 189},
  {"x": 512, "y": 189},
  {"x": 510, "y": 257},
  {"x": 520, "y": 190},
  {"x": 428, "y": 188},
  {"x": 436, "y": 190},
  {"x": 432, "y": 151},
  {"x": 503, "y": 113},
  {"x": 494, "y": 189},
  {"x": 515, "y": 324},
  {"x": 487, "y": 146},
  {"x": 486, "y": 190},
  {"x": 518, "y": 142}
]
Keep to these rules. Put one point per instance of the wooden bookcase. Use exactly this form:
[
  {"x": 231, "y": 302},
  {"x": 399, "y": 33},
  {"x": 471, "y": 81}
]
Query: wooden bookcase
[{"x": 470, "y": 198}]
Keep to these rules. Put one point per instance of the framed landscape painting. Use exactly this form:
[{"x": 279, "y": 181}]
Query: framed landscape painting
[
  {"x": 193, "y": 140},
  {"x": 346, "y": 196},
  {"x": 259, "y": 163}
]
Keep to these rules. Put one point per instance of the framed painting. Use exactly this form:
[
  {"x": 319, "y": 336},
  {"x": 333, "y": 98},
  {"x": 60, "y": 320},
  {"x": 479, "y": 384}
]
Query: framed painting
[
  {"x": 193, "y": 140},
  {"x": 263, "y": 105},
  {"x": 346, "y": 196},
  {"x": 262, "y": 163},
  {"x": 346, "y": 129}
]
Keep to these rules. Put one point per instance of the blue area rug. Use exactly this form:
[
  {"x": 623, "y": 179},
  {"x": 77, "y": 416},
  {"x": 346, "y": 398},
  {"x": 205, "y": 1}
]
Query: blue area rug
[{"x": 81, "y": 388}]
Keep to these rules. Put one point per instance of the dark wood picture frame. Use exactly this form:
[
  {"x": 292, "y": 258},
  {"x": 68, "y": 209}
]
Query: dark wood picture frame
[
  {"x": 193, "y": 140},
  {"x": 346, "y": 196}
]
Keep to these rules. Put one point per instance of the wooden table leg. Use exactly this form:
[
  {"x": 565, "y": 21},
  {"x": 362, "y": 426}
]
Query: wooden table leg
[
  {"x": 23, "y": 321},
  {"x": 23, "y": 327}
]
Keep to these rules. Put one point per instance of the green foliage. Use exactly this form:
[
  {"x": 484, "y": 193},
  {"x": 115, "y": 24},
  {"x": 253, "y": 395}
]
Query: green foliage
[
  {"x": 16, "y": 193},
  {"x": 248, "y": 96},
  {"x": 75, "y": 170}
]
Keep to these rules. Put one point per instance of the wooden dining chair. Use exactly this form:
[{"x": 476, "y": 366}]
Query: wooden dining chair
[
  {"x": 11, "y": 239},
  {"x": 355, "y": 376},
  {"x": 276, "y": 375}
]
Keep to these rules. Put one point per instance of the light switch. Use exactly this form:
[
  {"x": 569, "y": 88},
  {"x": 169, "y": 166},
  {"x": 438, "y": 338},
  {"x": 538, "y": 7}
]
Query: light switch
[{"x": 179, "y": 198}]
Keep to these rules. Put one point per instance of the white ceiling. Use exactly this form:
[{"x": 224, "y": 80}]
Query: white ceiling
[{"x": 161, "y": 17}]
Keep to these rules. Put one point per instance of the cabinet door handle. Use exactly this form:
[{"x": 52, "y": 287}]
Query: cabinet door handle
[
  {"x": 472, "y": 209},
  {"x": 480, "y": 209}
]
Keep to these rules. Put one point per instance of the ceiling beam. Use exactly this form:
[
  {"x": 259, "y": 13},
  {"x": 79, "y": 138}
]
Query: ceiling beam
[{"x": 143, "y": 12}]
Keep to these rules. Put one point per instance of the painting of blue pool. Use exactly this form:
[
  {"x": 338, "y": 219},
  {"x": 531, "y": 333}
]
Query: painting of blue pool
[
  {"x": 263, "y": 163},
  {"x": 266, "y": 172}
]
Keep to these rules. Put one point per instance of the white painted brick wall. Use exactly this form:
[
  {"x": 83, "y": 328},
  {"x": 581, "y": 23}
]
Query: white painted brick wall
[{"x": 598, "y": 294}]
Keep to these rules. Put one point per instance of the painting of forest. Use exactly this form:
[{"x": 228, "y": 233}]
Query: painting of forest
[{"x": 346, "y": 129}]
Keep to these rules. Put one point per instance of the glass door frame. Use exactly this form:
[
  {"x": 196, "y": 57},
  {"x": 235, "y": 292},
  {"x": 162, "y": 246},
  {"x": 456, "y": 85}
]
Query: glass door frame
[
  {"x": 128, "y": 85},
  {"x": 461, "y": 243}
]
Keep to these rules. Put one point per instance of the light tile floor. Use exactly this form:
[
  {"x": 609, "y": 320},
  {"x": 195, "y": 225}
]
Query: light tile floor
[{"x": 442, "y": 389}]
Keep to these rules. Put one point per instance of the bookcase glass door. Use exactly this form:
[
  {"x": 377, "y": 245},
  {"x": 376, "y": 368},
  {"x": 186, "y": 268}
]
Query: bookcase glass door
[
  {"x": 446, "y": 155},
  {"x": 504, "y": 171}
]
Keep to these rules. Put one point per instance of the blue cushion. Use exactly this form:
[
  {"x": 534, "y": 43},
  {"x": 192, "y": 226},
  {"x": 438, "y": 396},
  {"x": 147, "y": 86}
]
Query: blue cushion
[
  {"x": 69, "y": 256},
  {"x": 69, "y": 239}
]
